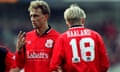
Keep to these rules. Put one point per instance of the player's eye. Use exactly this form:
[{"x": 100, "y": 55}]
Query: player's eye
[{"x": 33, "y": 15}]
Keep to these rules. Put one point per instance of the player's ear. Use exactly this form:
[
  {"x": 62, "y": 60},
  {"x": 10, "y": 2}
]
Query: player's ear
[
  {"x": 68, "y": 23},
  {"x": 82, "y": 20},
  {"x": 46, "y": 16}
]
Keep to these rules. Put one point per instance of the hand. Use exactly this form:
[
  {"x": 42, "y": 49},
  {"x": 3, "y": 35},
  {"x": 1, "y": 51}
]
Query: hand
[
  {"x": 54, "y": 71},
  {"x": 20, "y": 40},
  {"x": 15, "y": 70},
  {"x": 59, "y": 69}
]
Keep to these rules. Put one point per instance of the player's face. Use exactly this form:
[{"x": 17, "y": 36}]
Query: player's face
[{"x": 37, "y": 18}]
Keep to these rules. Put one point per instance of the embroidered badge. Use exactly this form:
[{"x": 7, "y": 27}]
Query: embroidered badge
[{"x": 49, "y": 43}]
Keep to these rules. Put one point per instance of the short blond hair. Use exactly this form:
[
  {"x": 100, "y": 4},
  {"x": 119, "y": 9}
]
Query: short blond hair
[
  {"x": 39, "y": 4},
  {"x": 74, "y": 13}
]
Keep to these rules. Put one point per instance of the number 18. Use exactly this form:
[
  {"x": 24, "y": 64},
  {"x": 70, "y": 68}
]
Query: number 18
[{"x": 84, "y": 49}]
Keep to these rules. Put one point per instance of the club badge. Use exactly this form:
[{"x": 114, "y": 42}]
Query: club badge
[{"x": 49, "y": 43}]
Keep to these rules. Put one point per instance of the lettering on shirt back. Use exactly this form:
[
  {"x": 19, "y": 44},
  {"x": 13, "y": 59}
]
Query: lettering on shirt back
[{"x": 76, "y": 33}]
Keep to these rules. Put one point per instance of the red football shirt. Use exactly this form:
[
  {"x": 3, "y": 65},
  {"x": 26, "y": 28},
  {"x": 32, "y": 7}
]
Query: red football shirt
[
  {"x": 9, "y": 60},
  {"x": 80, "y": 50},
  {"x": 38, "y": 51}
]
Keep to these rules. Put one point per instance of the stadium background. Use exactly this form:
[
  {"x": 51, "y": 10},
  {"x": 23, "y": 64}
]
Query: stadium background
[{"x": 102, "y": 16}]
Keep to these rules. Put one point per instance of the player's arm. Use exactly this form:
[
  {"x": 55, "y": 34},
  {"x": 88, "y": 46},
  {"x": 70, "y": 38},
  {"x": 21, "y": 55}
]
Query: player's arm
[
  {"x": 9, "y": 58},
  {"x": 104, "y": 61},
  {"x": 57, "y": 56},
  {"x": 20, "y": 40},
  {"x": 10, "y": 61},
  {"x": 19, "y": 61},
  {"x": 20, "y": 50}
]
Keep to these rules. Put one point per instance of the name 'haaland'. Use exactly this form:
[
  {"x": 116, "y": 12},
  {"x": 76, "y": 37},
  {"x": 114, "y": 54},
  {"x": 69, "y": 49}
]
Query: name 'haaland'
[{"x": 75, "y": 33}]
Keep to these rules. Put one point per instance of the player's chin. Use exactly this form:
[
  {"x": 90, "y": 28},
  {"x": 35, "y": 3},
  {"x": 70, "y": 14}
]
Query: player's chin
[{"x": 35, "y": 27}]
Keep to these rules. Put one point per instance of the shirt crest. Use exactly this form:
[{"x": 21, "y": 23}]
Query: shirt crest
[{"x": 49, "y": 43}]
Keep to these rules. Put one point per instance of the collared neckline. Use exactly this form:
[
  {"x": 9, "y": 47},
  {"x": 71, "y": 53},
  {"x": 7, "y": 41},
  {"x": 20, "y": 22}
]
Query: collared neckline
[
  {"x": 46, "y": 31},
  {"x": 76, "y": 26}
]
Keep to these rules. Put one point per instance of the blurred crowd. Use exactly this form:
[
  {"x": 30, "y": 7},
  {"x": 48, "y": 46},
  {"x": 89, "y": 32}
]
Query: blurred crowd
[{"x": 111, "y": 36}]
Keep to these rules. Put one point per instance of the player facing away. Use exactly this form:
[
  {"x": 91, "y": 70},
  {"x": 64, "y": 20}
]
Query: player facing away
[
  {"x": 79, "y": 49},
  {"x": 7, "y": 60},
  {"x": 34, "y": 48}
]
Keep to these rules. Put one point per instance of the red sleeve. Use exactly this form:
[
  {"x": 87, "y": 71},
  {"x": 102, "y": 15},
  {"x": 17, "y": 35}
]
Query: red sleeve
[
  {"x": 104, "y": 61},
  {"x": 10, "y": 61},
  {"x": 20, "y": 58},
  {"x": 57, "y": 55}
]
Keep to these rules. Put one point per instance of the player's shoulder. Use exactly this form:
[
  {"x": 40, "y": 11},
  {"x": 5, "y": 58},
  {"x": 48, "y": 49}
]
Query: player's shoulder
[
  {"x": 30, "y": 33},
  {"x": 3, "y": 49},
  {"x": 63, "y": 35},
  {"x": 54, "y": 31},
  {"x": 93, "y": 31}
]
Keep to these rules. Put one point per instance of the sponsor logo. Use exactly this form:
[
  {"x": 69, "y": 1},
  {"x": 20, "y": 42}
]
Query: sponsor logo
[{"x": 36, "y": 55}]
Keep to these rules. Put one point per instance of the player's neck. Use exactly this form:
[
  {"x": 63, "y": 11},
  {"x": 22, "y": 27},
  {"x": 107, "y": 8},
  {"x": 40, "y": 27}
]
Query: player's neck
[
  {"x": 42, "y": 30},
  {"x": 77, "y": 25}
]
